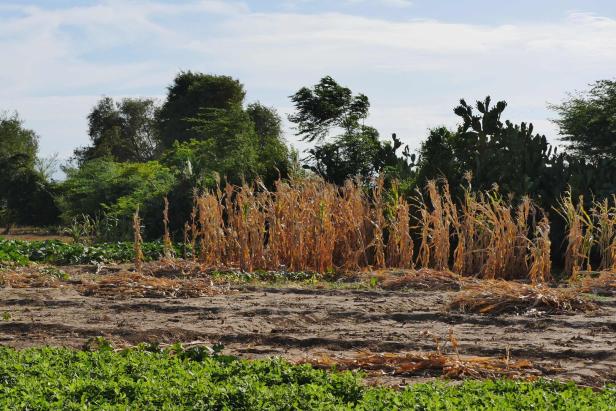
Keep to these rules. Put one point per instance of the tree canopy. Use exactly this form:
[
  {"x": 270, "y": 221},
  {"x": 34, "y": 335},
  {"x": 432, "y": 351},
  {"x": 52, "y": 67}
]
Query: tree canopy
[
  {"x": 357, "y": 151},
  {"x": 587, "y": 122},
  {"x": 25, "y": 196},
  {"x": 123, "y": 131},
  {"x": 327, "y": 105},
  {"x": 190, "y": 94}
]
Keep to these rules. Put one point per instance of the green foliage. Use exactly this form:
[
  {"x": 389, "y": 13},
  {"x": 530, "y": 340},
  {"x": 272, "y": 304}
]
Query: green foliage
[
  {"x": 587, "y": 122},
  {"x": 25, "y": 196},
  {"x": 196, "y": 378},
  {"x": 507, "y": 155},
  {"x": 122, "y": 131},
  {"x": 347, "y": 156},
  {"x": 358, "y": 150},
  {"x": 57, "y": 252},
  {"x": 273, "y": 154},
  {"x": 117, "y": 189},
  {"x": 190, "y": 94},
  {"x": 227, "y": 143},
  {"x": 327, "y": 105},
  {"x": 17, "y": 140}
]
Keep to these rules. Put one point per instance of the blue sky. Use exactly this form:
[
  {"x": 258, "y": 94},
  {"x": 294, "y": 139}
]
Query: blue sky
[{"x": 414, "y": 58}]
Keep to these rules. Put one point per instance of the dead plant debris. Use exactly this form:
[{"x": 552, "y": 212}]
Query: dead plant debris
[
  {"x": 128, "y": 284},
  {"x": 422, "y": 279},
  {"x": 603, "y": 284},
  {"x": 429, "y": 364},
  {"x": 498, "y": 297},
  {"x": 29, "y": 277}
]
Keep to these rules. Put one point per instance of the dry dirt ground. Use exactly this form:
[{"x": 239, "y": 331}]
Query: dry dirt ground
[{"x": 296, "y": 323}]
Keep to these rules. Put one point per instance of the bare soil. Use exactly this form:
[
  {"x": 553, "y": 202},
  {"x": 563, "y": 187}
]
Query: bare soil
[{"x": 298, "y": 323}]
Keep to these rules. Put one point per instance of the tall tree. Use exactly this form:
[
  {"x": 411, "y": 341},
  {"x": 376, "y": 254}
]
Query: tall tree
[
  {"x": 327, "y": 105},
  {"x": 25, "y": 196},
  {"x": 123, "y": 131},
  {"x": 587, "y": 122},
  {"x": 17, "y": 140},
  {"x": 189, "y": 95}
]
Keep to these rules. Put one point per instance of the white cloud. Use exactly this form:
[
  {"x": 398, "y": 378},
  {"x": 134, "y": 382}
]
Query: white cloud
[
  {"x": 390, "y": 3},
  {"x": 413, "y": 70}
]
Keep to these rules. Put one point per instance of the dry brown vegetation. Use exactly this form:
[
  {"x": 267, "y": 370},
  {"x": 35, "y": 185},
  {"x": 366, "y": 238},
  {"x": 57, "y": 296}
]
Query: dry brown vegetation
[
  {"x": 27, "y": 277},
  {"x": 603, "y": 283},
  {"x": 127, "y": 284},
  {"x": 429, "y": 364},
  {"x": 588, "y": 230},
  {"x": 497, "y": 296},
  {"x": 310, "y": 225},
  {"x": 422, "y": 279}
]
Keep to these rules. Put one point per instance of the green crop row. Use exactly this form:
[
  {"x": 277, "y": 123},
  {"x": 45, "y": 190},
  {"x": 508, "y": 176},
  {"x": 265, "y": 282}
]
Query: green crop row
[
  {"x": 149, "y": 378},
  {"x": 58, "y": 252}
]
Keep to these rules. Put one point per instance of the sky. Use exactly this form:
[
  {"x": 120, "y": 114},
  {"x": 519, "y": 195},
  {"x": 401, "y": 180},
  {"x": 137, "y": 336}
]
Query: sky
[{"x": 414, "y": 59}]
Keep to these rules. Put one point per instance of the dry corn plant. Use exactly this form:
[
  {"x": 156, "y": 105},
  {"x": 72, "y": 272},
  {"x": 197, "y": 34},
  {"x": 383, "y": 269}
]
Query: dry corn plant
[
  {"x": 378, "y": 224},
  {"x": 211, "y": 230},
  {"x": 311, "y": 225},
  {"x": 352, "y": 228},
  {"x": 539, "y": 254},
  {"x": 491, "y": 240},
  {"x": 506, "y": 249},
  {"x": 466, "y": 259},
  {"x": 399, "y": 242},
  {"x": 434, "y": 223},
  {"x": 138, "y": 241},
  {"x": 579, "y": 237},
  {"x": 605, "y": 216},
  {"x": 167, "y": 245}
]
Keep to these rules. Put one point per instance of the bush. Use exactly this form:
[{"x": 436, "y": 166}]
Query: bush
[{"x": 117, "y": 189}]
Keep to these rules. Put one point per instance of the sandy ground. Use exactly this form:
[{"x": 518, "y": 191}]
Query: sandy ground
[{"x": 299, "y": 322}]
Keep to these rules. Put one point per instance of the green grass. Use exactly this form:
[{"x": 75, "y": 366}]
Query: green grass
[{"x": 143, "y": 379}]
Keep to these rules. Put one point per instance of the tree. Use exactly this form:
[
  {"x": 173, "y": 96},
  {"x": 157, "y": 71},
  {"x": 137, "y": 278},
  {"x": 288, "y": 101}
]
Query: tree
[
  {"x": 25, "y": 196},
  {"x": 358, "y": 150},
  {"x": 347, "y": 156},
  {"x": 17, "y": 140},
  {"x": 190, "y": 94},
  {"x": 123, "y": 131},
  {"x": 47, "y": 167},
  {"x": 437, "y": 158},
  {"x": 325, "y": 106},
  {"x": 587, "y": 122},
  {"x": 272, "y": 151}
]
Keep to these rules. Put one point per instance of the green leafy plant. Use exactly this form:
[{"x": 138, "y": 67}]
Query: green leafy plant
[{"x": 152, "y": 377}]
